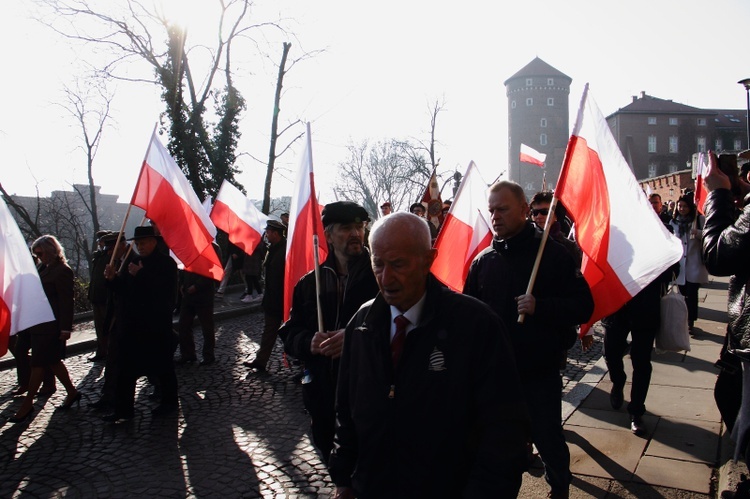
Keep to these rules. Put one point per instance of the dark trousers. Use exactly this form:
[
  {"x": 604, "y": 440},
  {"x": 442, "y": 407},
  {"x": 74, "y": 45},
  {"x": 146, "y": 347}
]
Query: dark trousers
[
  {"x": 544, "y": 399},
  {"x": 205, "y": 315},
  {"x": 112, "y": 365},
  {"x": 268, "y": 340},
  {"x": 144, "y": 358},
  {"x": 102, "y": 328},
  {"x": 690, "y": 292},
  {"x": 252, "y": 281},
  {"x": 616, "y": 329}
]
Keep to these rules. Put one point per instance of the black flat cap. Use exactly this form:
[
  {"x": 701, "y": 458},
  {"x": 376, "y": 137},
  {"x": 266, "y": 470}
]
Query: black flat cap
[
  {"x": 344, "y": 212},
  {"x": 275, "y": 225}
]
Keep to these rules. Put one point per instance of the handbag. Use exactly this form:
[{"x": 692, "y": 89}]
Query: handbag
[{"x": 674, "y": 333}]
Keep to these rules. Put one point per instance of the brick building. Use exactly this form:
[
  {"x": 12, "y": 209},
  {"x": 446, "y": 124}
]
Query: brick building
[
  {"x": 538, "y": 117},
  {"x": 658, "y": 137}
]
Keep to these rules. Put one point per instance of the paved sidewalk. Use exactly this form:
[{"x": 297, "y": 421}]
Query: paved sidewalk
[
  {"x": 681, "y": 455},
  {"x": 245, "y": 435}
]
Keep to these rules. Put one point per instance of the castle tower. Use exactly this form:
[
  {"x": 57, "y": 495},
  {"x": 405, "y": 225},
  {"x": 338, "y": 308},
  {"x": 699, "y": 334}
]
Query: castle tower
[{"x": 537, "y": 117}]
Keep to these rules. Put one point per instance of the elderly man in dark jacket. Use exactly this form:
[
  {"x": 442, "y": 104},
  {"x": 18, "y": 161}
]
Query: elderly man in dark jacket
[
  {"x": 144, "y": 294},
  {"x": 559, "y": 300},
  {"x": 429, "y": 403},
  {"x": 726, "y": 241},
  {"x": 347, "y": 282}
]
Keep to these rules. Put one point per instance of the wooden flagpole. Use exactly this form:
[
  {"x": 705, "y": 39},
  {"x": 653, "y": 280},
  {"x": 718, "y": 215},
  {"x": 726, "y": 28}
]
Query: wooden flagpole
[
  {"x": 316, "y": 242},
  {"x": 553, "y": 204},
  {"x": 127, "y": 213}
]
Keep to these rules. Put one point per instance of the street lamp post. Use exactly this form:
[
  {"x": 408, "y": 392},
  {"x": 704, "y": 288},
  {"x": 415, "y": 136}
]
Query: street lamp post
[{"x": 746, "y": 83}]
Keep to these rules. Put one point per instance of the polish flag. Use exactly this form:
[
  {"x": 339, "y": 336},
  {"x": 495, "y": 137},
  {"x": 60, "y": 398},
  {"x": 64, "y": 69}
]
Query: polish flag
[
  {"x": 304, "y": 223},
  {"x": 23, "y": 303},
  {"x": 625, "y": 245},
  {"x": 700, "y": 189},
  {"x": 529, "y": 155},
  {"x": 466, "y": 231},
  {"x": 432, "y": 203},
  {"x": 236, "y": 215},
  {"x": 170, "y": 202}
]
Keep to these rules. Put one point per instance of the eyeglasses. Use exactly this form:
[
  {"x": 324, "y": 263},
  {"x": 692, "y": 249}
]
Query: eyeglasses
[{"x": 540, "y": 211}]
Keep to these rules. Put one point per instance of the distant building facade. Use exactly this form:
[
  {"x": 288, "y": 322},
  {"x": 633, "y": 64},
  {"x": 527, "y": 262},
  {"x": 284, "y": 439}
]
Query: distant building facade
[
  {"x": 65, "y": 215},
  {"x": 538, "y": 116},
  {"x": 658, "y": 137}
]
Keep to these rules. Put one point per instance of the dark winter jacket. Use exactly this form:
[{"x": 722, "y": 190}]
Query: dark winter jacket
[
  {"x": 726, "y": 251},
  {"x": 563, "y": 299},
  {"x": 449, "y": 422},
  {"x": 275, "y": 264}
]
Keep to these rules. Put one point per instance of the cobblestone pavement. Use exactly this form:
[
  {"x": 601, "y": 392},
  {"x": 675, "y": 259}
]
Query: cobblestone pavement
[{"x": 237, "y": 435}]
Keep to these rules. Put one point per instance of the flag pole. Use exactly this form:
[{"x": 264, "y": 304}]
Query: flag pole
[
  {"x": 316, "y": 242},
  {"x": 553, "y": 204},
  {"x": 127, "y": 213}
]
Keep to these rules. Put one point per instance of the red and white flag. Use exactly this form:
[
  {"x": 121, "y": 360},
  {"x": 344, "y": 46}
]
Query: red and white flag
[
  {"x": 23, "y": 303},
  {"x": 304, "y": 223},
  {"x": 170, "y": 202},
  {"x": 236, "y": 215},
  {"x": 432, "y": 203},
  {"x": 466, "y": 231},
  {"x": 700, "y": 190},
  {"x": 625, "y": 245},
  {"x": 529, "y": 155}
]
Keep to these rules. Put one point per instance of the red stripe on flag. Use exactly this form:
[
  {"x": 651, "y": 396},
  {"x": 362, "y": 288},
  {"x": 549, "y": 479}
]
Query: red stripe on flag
[
  {"x": 4, "y": 327},
  {"x": 583, "y": 190},
  {"x": 238, "y": 231},
  {"x": 180, "y": 226}
]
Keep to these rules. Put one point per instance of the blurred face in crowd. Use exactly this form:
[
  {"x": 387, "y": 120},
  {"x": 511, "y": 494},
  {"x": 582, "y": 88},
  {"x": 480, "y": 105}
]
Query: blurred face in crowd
[
  {"x": 656, "y": 203},
  {"x": 401, "y": 259},
  {"x": 418, "y": 211},
  {"x": 273, "y": 236},
  {"x": 683, "y": 208},
  {"x": 508, "y": 213},
  {"x": 145, "y": 245},
  {"x": 539, "y": 214},
  {"x": 347, "y": 240}
]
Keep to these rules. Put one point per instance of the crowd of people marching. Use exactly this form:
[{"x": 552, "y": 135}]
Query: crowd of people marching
[{"x": 413, "y": 390}]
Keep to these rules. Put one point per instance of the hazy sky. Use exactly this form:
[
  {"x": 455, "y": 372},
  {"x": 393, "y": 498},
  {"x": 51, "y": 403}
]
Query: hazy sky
[{"x": 384, "y": 64}]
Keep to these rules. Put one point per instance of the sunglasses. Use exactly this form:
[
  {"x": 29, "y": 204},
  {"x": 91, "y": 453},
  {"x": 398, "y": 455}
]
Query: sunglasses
[{"x": 540, "y": 211}]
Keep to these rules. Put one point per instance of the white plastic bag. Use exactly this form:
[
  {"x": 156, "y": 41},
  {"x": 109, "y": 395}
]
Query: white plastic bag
[{"x": 674, "y": 333}]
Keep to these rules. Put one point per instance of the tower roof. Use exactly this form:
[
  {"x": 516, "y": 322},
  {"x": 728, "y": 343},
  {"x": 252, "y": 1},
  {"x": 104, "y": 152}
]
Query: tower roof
[{"x": 537, "y": 67}]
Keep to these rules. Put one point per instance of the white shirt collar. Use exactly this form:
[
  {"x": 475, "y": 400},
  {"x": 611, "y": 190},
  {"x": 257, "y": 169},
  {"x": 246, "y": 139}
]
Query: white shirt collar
[{"x": 413, "y": 314}]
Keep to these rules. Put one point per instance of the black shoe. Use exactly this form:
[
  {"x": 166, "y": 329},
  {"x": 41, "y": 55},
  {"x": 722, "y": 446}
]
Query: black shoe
[
  {"x": 69, "y": 401},
  {"x": 164, "y": 410},
  {"x": 21, "y": 418},
  {"x": 637, "y": 426},
  {"x": 616, "y": 398},
  {"x": 207, "y": 362},
  {"x": 255, "y": 366},
  {"x": 182, "y": 361},
  {"x": 116, "y": 418},
  {"x": 97, "y": 358},
  {"x": 100, "y": 405},
  {"x": 741, "y": 492}
]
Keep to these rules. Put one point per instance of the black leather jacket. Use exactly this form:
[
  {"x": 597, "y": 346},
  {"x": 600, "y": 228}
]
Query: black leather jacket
[{"x": 726, "y": 251}]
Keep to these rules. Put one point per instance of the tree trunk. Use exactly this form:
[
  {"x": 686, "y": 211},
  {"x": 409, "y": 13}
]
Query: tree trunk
[{"x": 274, "y": 130}]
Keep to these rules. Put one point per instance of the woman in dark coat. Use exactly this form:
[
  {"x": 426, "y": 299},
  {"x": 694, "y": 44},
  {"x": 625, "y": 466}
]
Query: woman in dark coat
[{"x": 48, "y": 343}]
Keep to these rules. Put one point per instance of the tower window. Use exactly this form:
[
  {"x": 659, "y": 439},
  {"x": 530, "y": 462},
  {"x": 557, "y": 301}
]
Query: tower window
[
  {"x": 543, "y": 139},
  {"x": 529, "y": 82},
  {"x": 529, "y": 101},
  {"x": 550, "y": 101},
  {"x": 513, "y": 104},
  {"x": 543, "y": 123},
  {"x": 550, "y": 82}
]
